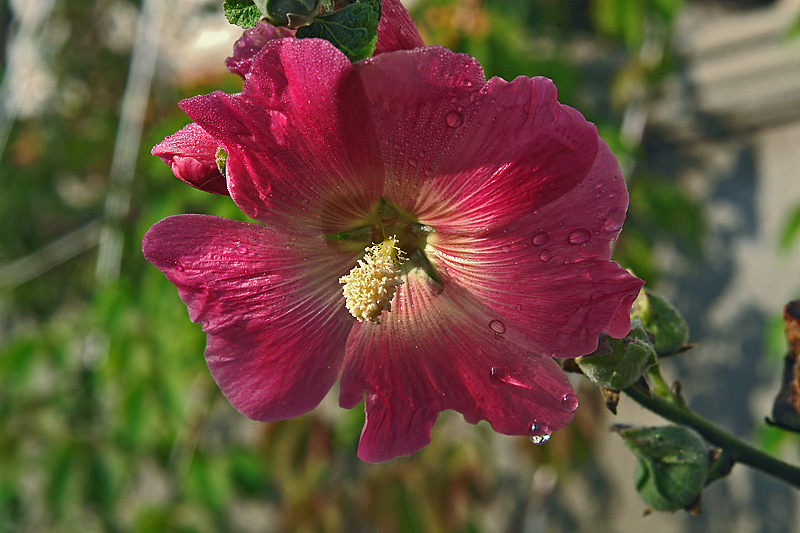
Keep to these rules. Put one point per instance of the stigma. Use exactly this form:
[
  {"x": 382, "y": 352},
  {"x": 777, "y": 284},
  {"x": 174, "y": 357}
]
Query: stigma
[{"x": 371, "y": 284}]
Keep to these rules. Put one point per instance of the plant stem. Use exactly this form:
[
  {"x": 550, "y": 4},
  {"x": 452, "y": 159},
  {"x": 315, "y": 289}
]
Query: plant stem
[{"x": 737, "y": 450}]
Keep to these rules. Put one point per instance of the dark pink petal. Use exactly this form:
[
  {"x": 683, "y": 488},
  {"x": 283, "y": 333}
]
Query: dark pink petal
[
  {"x": 396, "y": 30},
  {"x": 250, "y": 43},
  {"x": 561, "y": 307},
  {"x": 191, "y": 154},
  {"x": 301, "y": 145},
  {"x": 466, "y": 155},
  {"x": 271, "y": 308},
  {"x": 439, "y": 350}
]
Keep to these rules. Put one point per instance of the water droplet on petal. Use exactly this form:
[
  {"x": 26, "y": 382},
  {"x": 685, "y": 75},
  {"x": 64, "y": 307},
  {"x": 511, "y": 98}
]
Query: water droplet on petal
[
  {"x": 497, "y": 326},
  {"x": 540, "y": 239},
  {"x": 242, "y": 249},
  {"x": 454, "y": 119},
  {"x": 178, "y": 266},
  {"x": 545, "y": 256},
  {"x": 538, "y": 432},
  {"x": 506, "y": 248},
  {"x": 579, "y": 236},
  {"x": 498, "y": 373},
  {"x": 614, "y": 220},
  {"x": 569, "y": 402}
]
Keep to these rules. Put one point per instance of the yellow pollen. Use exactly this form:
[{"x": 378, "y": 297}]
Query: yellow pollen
[{"x": 371, "y": 284}]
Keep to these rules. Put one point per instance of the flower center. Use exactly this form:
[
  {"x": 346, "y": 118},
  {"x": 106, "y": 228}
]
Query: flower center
[{"x": 371, "y": 284}]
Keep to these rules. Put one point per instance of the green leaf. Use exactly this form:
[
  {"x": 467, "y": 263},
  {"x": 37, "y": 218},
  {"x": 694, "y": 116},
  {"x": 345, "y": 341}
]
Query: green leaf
[
  {"x": 353, "y": 29},
  {"x": 243, "y": 13}
]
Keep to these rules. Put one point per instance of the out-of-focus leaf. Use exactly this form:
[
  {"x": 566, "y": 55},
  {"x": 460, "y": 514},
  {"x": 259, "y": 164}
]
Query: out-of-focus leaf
[{"x": 791, "y": 229}]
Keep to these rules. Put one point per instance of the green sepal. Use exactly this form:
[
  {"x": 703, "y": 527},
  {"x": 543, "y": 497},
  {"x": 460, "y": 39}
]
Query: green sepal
[
  {"x": 628, "y": 359},
  {"x": 243, "y": 13},
  {"x": 353, "y": 29},
  {"x": 673, "y": 465},
  {"x": 660, "y": 318}
]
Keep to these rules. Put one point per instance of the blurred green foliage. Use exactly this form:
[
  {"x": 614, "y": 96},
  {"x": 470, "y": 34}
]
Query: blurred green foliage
[{"x": 109, "y": 420}]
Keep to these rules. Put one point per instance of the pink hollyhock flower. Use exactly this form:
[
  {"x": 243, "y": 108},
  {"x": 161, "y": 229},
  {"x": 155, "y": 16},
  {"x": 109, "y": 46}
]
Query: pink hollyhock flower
[
  {"x": 428, "y": 238},
  {"x": 191, "y": 152}
]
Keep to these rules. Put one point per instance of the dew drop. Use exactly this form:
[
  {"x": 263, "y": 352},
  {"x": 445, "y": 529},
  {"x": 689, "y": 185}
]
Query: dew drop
[
  {"x": 614, "y": 220},
  {"x": 540, "y": 239},
  {"x": 545, "y": 256},
  {"x": 538, "y": 432},
  {"x": 498, "y": 373},
  {"x": 506, "y": 248},
  {"x": 242, "y": 249},
  {"x": 569, "y": 402},
  {"x": 497, "y": 326},
  {"x": 178, "y": 266},
  {"x": 454, "y": 119},
  {"x": 579, "y": 236}
]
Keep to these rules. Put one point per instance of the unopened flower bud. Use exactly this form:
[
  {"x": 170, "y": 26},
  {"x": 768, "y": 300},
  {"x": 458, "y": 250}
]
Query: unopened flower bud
[
  {"x": 673, "y": 465},
  {"x": 291, "y": 13},
  {"x": 660, "y": 318}
]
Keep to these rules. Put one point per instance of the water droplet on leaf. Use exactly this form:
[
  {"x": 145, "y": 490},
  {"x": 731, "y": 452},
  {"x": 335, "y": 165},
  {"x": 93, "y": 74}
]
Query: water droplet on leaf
[
  {"x": 540, "y": 239},
  {"x": 454, "y": 119},
  {"x": 579, "y": 236},
  {"x": 497, "y": 326}
]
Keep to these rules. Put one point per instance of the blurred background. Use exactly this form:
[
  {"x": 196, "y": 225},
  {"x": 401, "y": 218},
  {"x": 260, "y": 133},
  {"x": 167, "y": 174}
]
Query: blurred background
[{"x": 109, "y": 420}]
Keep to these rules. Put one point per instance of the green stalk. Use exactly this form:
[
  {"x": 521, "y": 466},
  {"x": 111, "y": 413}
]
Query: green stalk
[{"x": 737, "y": 450}]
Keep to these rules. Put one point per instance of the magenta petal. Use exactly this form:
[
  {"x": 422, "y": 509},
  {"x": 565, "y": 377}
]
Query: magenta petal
[
  {"x": 191, "y": 154},
  {"x": 275, "y": 321},
  {"x": 465, "y": 155},
  {"x": 251, "y": 42},
  {"x": 299, "y": 135},
  {"x": 439, "y": 350},
  {"x": 561, "y": 307},
  {"x": 396, "y": 30}
]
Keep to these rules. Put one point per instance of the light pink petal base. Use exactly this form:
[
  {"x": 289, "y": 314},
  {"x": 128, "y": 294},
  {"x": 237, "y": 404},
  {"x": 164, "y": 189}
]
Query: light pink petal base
[
  {"x": 271, "y": 308},
  {"x": 438, "y": 350}
]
